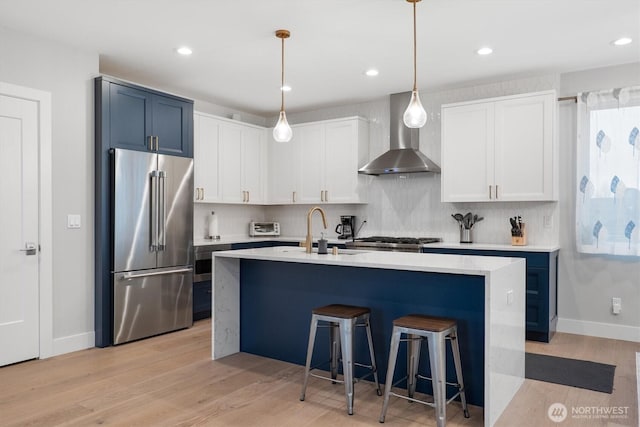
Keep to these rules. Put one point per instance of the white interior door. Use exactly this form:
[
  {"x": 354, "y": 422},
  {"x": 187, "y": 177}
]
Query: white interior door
[{"x": 19, "y": 304}]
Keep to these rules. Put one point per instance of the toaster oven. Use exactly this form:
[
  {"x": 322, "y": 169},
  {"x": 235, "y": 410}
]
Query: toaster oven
[{"x": 270, "y": 228}]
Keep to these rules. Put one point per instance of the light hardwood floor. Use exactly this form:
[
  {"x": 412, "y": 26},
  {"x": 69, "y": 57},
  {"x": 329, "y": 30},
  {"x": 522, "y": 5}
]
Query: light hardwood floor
[{"x": 170, "y": 381}]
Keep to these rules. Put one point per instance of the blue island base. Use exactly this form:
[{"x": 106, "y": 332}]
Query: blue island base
[{"x": 276, "y": 299}]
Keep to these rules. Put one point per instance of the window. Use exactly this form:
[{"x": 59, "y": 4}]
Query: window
[{"x": 608, "y": 169}]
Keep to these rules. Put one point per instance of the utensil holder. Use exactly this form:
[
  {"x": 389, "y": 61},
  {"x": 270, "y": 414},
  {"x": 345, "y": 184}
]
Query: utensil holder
[
  {"x": 520, "y": 240},
  {"x": 465, "y": 235}
]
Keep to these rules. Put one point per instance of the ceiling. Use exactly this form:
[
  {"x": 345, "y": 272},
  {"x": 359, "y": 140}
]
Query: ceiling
[{"x": 236, "y": 56}]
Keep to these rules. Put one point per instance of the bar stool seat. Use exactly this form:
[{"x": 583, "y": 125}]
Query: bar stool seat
[
  {"x": 436, "y": 330},
  {"x": 344, "y": 318}
]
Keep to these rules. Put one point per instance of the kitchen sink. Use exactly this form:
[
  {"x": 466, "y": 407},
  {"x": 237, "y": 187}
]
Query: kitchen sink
[{"x": 293, "y": 249}]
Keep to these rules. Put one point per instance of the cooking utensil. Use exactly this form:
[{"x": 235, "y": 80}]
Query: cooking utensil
[
  {"x": 476, "y": 219},
  {"x": 458, "y": 217},
  {"x": 467, "y": 220}
]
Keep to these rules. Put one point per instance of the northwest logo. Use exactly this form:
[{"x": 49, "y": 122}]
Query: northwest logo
[{"x": 557, "y": 412}]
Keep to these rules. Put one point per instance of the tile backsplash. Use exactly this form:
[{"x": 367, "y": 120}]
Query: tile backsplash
[{"x": 407, "y": 205}]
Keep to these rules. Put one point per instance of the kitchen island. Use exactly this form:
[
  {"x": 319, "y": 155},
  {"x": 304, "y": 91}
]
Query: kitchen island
[{"x": 262, "y": 300}]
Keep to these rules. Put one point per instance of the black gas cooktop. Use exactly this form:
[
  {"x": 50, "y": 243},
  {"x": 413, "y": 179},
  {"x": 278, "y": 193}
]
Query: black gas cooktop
[{"x": 385, "y": 243}]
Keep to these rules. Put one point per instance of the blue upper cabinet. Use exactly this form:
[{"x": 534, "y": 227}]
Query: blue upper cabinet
[
  {"x": 173, "y": 125},
  {"x": 141, "y": 119},
  {"x": 129, "y": 118}
]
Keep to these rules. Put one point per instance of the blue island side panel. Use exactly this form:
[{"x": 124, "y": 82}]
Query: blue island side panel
[{"x": 276, "y": 299}]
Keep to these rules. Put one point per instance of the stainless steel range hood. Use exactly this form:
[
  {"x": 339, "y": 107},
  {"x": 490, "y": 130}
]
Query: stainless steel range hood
[{"x": 404, "y": 155}]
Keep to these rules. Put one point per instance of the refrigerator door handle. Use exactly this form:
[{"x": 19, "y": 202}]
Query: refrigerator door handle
[
  {"x": 162, "y": 209},
  {"x": 153, "y": 247},
  {"x": 130, "y": 276}
]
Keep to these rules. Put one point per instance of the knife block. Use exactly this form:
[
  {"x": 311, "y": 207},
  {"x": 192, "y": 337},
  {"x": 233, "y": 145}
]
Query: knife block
[{"x": 520, "y": 240}]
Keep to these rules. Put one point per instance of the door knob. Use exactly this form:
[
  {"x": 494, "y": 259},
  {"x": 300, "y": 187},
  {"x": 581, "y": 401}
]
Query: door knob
[{"x": 29, "y": 248}]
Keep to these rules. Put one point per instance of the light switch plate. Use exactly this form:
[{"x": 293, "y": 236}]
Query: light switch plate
[
  {"x": 510, "y": 297},
  {"x": 73, "y": 221}
]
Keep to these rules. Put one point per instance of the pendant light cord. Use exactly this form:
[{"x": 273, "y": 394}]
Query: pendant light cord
[
  {"x": 282, "y": 79},
  {"x": 415, "y": 85}
]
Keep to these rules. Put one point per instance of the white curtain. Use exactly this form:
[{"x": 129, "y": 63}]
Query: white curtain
[{"x": 608, "y": 172}]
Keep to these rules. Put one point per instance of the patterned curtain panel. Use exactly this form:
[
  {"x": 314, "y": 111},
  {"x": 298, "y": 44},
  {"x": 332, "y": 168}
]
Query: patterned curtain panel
[{"x": 608, "y": 169}]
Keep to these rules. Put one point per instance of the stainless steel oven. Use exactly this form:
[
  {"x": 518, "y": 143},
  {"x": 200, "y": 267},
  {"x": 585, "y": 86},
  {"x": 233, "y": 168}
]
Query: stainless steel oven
[{"x": 202, "y": 260}]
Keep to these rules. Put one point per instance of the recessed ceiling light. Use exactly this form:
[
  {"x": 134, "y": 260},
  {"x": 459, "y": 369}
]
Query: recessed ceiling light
[
  {"x": 184, "y": 50},
  {"x": 372, "y": 72},
  {"x": 286, "y": 88},
  {"x": 622, "y": 41},
  {"x": 485, "y": 51}
]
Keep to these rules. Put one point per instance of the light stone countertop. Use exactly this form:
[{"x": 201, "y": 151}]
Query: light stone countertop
[
  {"x": 444, "y": 245},
  {"x": 435, "y": 263},
  {"x": 226, "y": 240}
]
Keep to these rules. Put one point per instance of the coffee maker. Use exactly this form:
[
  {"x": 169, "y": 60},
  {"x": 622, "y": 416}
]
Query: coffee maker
[{"x": 347, "y": 226}]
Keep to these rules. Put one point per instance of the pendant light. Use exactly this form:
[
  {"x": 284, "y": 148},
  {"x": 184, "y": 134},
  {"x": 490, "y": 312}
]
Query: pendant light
[
  {"x": 282, "y": 132},
  {"x": 414, "y": 116}
]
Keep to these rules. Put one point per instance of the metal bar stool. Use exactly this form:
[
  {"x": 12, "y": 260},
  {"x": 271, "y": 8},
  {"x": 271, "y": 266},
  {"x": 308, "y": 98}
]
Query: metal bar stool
[
  {"x": 436, "y": 330},
  {"x": 345, "y": 318}
]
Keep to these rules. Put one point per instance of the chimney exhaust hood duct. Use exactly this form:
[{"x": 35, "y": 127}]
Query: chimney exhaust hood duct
[{"x": 404, "y": 155}]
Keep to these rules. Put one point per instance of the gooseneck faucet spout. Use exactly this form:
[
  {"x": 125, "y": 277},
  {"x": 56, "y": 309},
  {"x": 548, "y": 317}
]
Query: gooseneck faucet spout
[{"x": 308, "y": 244}]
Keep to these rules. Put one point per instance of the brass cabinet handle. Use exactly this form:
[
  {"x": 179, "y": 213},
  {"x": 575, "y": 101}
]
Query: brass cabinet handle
[
  {"x": 244, "y": 196},
  {"x": 496, "y": 191},
  {"x": 326, "y": 195},
  {"x": 490, "y": 192},
  {"x": 294, "y": 196},
  {"x": 202, "y": 193},
  {"x": 150, "y": 143},
  {"x": 248, "y": 196}
]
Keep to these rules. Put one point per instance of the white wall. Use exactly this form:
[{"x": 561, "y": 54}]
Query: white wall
[
  {"x": 68, "y": 74},
  {"x": 586, "y": 282}
]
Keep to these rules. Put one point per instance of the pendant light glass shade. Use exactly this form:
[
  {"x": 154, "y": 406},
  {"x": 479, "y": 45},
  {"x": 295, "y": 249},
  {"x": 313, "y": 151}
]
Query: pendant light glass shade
[
  {"x": 282, "y": 132},
  {"x": 415, "y": 116}
]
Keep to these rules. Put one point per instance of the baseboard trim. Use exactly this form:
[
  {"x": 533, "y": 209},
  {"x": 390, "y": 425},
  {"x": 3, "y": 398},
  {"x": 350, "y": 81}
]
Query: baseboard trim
[
  {"x": 597, "y": 329},
  {"x": 73, "y": 343}
]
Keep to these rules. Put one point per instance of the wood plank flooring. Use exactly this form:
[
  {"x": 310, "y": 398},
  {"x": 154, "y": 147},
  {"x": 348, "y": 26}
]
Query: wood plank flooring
[{"x": 170, "y": 381}]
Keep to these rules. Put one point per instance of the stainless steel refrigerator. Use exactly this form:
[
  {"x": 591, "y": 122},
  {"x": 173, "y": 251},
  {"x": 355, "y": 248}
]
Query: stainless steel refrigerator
[{"x": 152, "y": 244}]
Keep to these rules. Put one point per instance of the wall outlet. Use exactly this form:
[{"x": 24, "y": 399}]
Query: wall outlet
[
  {"x": 73, "y": 221},
  {"x": 616, "y": 305},
  {"x": 547, "y": 221}
]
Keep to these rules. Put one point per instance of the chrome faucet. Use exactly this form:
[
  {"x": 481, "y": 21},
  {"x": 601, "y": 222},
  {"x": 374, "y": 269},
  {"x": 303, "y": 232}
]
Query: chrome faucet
[{"x": 308, "y": 243}]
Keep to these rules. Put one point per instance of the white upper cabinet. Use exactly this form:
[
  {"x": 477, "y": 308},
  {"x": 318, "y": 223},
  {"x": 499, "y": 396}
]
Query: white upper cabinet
[
  {"x": 320, "y": 163},
  {"x": 312, "y": 170},
  {"x": 284, "y": 164},
  {"x": 500, "y": 149},
  {"x": 229, "y": 161},
  {"x": 205, "y": 158},
  {"x": 346, "y": 150},
  {"x": 253, "y": 164}
]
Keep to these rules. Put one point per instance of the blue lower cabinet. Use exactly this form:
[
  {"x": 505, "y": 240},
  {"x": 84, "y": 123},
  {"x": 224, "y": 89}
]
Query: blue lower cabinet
[
  {"x": 542, "y": 287},
  {"x": 259, "y": 244},
  {"x": 201, "y": 300}
]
